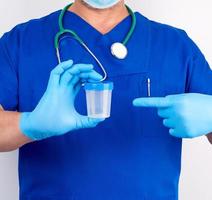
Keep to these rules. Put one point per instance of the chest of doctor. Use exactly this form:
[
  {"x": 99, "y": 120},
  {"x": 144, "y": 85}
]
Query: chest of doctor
[{"x": 130, "y": 77}]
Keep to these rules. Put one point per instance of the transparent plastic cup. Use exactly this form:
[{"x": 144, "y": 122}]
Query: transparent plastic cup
[{"x": 98, "y": 99}]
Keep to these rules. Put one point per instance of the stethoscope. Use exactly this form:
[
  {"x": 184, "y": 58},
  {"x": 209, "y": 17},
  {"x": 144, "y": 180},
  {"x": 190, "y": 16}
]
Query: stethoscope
[{"x": 118, "y": 49}]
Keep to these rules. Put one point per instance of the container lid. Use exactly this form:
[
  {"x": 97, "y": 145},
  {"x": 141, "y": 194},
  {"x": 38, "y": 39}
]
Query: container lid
[{"x": 99, "y": 86}]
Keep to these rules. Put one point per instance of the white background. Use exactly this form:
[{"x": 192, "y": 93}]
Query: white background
[{"x": 193, "y": 16}]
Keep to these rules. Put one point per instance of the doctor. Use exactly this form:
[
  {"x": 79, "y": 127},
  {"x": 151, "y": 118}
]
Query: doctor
[{"x": 64, "y": 154}]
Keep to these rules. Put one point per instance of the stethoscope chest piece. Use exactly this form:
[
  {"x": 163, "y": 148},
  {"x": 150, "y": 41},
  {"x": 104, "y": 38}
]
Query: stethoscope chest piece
[{"x": 119, "y": 50}]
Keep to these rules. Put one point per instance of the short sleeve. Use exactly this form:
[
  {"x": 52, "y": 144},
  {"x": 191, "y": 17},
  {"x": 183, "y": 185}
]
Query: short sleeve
[
  {"x": 8, "y": 76},
  {"x": 199, "y": 76}
]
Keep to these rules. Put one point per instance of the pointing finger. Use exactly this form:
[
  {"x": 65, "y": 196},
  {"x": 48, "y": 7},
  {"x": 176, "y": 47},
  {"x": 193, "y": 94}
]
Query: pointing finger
[{"x": 158, "y": 102}]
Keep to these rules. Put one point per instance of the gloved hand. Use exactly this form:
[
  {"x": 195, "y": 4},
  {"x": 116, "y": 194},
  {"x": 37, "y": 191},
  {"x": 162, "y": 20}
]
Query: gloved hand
[
  {"x": 55, "y": 114},
  {"x": 186, "y": 115}
]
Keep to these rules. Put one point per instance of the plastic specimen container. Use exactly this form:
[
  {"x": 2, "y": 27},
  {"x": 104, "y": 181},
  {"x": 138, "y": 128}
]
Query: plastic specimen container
[{"x": 98, "y": 99}]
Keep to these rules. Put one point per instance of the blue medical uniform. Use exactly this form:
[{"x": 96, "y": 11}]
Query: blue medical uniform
[{"x": 129, "y": 156}]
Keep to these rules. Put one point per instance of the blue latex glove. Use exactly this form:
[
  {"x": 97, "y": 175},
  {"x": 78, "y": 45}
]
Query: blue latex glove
[
  {"x": 55, "y": 114},
  {"x": 186, "y": 115}
]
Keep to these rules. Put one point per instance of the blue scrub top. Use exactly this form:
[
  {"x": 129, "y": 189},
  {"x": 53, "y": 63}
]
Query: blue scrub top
[{"x": 129, "y": 156}]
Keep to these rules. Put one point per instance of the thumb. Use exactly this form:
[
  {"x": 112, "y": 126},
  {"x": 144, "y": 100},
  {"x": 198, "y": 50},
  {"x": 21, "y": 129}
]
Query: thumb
[
  {"x": 87, "y": 122},
  {"x": 158, "y": 102}
]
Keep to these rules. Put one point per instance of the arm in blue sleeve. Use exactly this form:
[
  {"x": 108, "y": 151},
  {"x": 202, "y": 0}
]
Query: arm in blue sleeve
[
  {"x": 8, "y": 76},
  {"x": 199, "y": 78}
]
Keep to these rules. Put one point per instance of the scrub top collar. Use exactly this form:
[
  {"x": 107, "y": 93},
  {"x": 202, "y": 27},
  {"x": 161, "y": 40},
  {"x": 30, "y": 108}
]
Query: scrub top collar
[
  {"x": 96, "y": 41},
  {"x": 89, "y": 34}
]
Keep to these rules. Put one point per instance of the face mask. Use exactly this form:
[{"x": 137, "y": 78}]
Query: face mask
[{"x": 101, "y": 4}]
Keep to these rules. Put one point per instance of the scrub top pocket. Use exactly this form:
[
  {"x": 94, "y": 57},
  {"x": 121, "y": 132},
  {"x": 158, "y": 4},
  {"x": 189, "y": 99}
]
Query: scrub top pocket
[
  {"x": 125, "y": 118},
  {"x": 135, "y": 120},
  {"x": 152, "y": 124}
]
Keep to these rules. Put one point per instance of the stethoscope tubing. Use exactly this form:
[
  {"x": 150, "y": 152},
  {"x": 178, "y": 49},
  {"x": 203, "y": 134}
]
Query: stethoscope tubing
[
  {"x": 63, "y": 31},
  {"x": 92, "y": 54}
]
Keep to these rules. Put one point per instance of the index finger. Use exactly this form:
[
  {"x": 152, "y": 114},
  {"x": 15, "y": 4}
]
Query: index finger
[
  {"x": 158, "y": 102},
  {"x": 75, "y": 70},
  {"x": 57, "y": 71}
]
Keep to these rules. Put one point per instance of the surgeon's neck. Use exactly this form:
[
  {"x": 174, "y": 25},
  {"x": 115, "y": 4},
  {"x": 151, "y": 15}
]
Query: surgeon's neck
[{"x": 102, "y": 20}]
